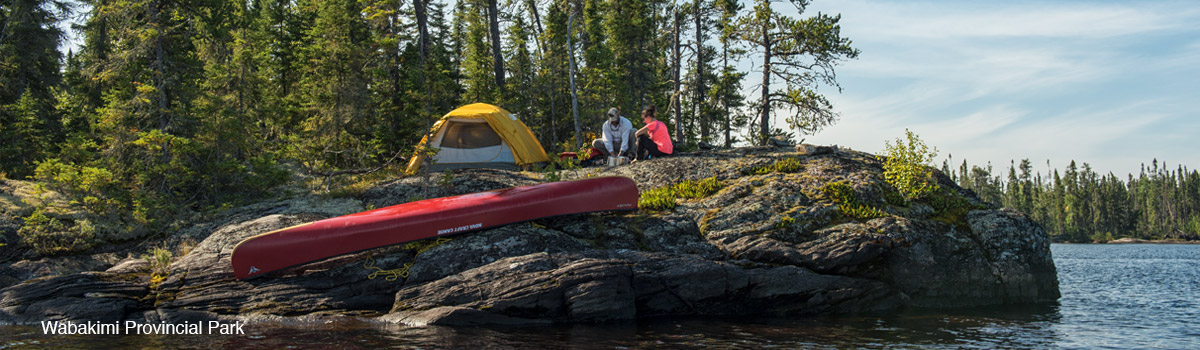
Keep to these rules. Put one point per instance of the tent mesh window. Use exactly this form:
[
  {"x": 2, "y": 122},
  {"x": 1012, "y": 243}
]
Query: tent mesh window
[{"x": 470, "y": 135}]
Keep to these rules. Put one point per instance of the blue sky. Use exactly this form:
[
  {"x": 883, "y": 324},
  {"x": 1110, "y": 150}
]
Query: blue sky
[{"x": 1111, "y": 83}]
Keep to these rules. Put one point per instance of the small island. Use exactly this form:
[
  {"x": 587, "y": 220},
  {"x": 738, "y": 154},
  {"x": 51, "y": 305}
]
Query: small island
[{"x": 745, "y": 231}]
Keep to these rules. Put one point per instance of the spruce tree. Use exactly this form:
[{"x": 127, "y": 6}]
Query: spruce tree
[
  {"x": 477, "y": 64},
  {"x": 29, "y": 75},
  {"x": 334, "y": 88}
]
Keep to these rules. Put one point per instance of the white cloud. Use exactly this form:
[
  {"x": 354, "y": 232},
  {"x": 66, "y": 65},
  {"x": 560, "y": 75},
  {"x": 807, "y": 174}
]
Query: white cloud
[
  {"x": 948, "y": 19},
  {"x": 1106, "y": 83}
]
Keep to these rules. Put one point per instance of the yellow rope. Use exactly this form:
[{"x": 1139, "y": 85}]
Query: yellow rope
[
  {"x": 392, "y": 275},
  {"x": 422, "y": 246},
  {"x": 402, "y": 272}
]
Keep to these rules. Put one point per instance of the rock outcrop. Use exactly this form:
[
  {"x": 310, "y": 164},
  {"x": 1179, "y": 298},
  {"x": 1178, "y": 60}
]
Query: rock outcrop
[{"x": 773, "y": 240}]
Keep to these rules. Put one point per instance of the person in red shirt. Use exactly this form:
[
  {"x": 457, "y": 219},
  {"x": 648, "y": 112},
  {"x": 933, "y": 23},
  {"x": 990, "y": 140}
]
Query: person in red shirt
[{"x": 653, "y": 139}]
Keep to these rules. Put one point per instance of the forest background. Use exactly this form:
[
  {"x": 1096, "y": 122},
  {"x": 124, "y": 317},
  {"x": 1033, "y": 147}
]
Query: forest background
[{"x": 173, "y": 108}]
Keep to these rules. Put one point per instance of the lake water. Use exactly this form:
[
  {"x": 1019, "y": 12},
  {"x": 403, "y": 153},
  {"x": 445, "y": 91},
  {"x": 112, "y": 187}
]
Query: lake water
[{"x": 1114, "y": 297}]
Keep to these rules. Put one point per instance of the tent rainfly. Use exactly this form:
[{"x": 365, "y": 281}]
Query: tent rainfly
[{"x": 479, "y": 135}]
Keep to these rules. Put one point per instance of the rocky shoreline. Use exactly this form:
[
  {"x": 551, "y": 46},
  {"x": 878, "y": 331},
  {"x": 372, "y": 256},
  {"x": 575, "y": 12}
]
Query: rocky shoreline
[{"x": 772, "y": 241}]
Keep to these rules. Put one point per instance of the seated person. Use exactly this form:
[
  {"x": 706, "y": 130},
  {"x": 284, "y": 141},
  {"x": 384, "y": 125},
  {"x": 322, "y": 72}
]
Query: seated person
[
  {"x": 653, "y": 139},
  {"x": 616, "y": 136}
]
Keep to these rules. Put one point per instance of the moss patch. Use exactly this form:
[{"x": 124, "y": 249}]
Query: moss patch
[
  {"x": 786, "y": 165},
  {"x": 663, "y": 198},
  {"x": 951, "y": 208}
]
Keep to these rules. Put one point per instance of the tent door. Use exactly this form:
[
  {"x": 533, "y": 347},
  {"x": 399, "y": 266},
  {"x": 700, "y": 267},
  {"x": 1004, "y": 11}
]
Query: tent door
[{"x": 471, "y": 141}]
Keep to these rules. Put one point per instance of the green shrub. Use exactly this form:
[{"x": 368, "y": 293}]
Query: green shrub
[
  {"x": 893, "y": 197},
  {"x": 551, "y": 173},
  {"x": 904, "y": 166},
  {"x": 51, "y": 236},
  {"x": 848, "y": 202},
  {"x": 447, "y": 179},
  {"x": 698, "y": 189},
  {"x": 663, "y": 198},
  {"x": 159, "y": 259}
]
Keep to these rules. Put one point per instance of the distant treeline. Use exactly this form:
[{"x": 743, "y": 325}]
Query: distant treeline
[{"x": 1079, "y": 205}]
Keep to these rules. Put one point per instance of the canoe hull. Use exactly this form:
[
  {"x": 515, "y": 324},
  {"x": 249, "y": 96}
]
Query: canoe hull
[{"x": 428, "y": 218}]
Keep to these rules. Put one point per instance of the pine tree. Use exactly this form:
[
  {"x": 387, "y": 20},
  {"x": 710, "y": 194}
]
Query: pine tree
[{"x": 800, "y": 52}]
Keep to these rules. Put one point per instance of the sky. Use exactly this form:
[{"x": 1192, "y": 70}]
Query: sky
[{"x": 1111, "y": 83}]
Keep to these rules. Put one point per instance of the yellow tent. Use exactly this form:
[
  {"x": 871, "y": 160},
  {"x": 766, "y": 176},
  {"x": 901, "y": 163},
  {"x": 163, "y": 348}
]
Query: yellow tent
[{"x": 479, "y": 135}]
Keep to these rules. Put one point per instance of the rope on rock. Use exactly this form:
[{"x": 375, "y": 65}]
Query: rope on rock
[
  {"x": 392, "y": 275},
  {"x": 402, "y": 272}
]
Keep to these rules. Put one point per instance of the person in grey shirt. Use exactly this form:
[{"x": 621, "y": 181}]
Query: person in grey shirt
[{"x": 616, "y": 138}]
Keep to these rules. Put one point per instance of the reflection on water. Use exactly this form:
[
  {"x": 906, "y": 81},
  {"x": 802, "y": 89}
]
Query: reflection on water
[
  {"x": 1023, "y": 328},
  {"x": 1116, "y": 297}
]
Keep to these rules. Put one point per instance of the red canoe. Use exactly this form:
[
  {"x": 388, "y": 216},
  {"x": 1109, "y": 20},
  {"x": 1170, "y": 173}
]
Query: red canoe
[{"x": 428, "y": 218}]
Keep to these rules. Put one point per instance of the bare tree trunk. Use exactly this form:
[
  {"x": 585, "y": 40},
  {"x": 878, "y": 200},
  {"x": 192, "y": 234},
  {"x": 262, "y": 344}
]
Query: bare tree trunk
[
  {"x": 160, "y": 83},
  {"x": 725, "y": 96},
  {"x": 423, "y": 45},
  {"x": 394, "y": 70},
  {"x": 765, "y": 124},
  {"x": 422, "y": 28},
  {"x": 675, "y": 63},
  {"x": 699, "y": 90},
  {"x": 574, "y": 94},
  {"x": 497, "y": 58},
  {"x": 537, "y": 21}
]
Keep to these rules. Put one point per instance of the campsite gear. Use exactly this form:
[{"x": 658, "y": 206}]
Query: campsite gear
[
  {"x": 584, "y": 158},
  {"x": 437, "y": 217},
  {"x": 615, "y": 161},
  {"x": 479, "y": 135}
]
